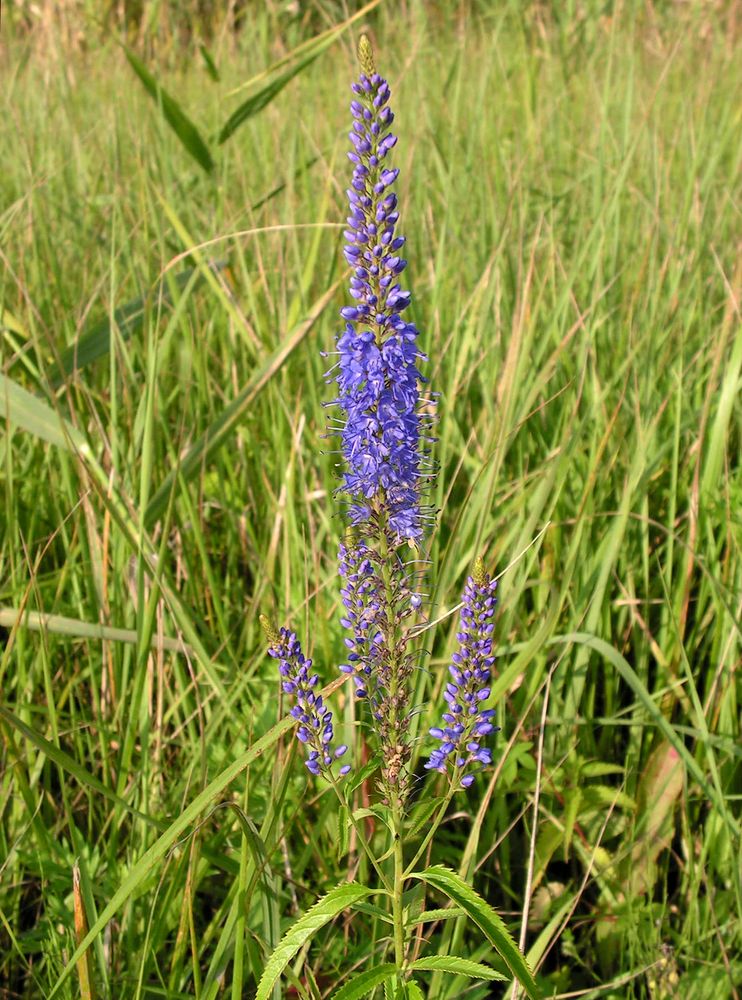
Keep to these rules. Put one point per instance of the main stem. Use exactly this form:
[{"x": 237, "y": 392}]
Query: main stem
[
  {"x": 399, "y": 877},
  {"x": 395, "y": 798}
]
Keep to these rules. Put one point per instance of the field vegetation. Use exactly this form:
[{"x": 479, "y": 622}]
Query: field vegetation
[{"x": 570, "y": 190}]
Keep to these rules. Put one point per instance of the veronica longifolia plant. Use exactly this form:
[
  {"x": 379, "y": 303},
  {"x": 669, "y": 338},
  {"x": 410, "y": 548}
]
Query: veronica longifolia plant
[{"x": 385, "y": 464}]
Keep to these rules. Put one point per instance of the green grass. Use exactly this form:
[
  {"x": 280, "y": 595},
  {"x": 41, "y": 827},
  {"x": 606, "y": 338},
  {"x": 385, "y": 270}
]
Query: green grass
[{"x": 570, "y": 192}]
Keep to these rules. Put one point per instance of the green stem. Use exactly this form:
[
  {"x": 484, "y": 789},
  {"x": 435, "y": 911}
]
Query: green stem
[
  {"x": 359, "y": 833},
  {"x": 431, "y": 832},
  {"x": 399, "y": 879}
]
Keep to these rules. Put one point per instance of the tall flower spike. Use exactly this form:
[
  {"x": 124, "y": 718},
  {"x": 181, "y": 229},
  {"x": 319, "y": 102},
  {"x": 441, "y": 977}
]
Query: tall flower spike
[
  {"x": 378, "y": 394},
  {"x": 378, "y": 377},
  {"x": 315, "y": 729},
  {"x": 466, "y": 723}
]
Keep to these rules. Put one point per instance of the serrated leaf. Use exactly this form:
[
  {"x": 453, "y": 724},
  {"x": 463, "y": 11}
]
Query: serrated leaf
[
  {"x": 429, "y": 916},
  {"x": 487, "y": 918},
  {"x": 457, "y": 966},
  {"x": 358, "y": 777},
  {"x": 599, "y": 769},
  {"x": 323, "y": 911},
  {"x": 413, "y": 991},
  {"x": 174, "y": 115},
  {"x": 362, "y": 984}
]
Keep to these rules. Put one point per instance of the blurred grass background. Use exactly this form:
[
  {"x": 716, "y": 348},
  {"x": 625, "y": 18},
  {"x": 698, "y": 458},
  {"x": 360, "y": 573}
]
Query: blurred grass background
[{"x": 570, "y": 181}]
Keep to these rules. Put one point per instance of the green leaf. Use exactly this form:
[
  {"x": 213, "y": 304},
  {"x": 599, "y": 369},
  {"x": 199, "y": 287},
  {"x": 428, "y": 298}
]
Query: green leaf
[
  {"x": 362, "y": 774},
  {"x": 176, "y": 118},
  {"x": 343, "y": 832},
  {"x": 22, "y": 409},
  {"x": 660, "y": 788},
  {"x": 431, "y": 916},
  {"x": 265, "y": 95},
  {"x": 68, "y": 764},
  {"x": 413, "y": 991},
  {"x": 216, "y": 434},
  {"x": 486, "y": 918},
  {"x": 211, "y": 67},
  {"x": 141, "y": 868},
  {"x": 325, "y": 910},
  {"x": 362, "y": 984},
  {"x": 629, "y": 675},
  {"x": 95, "y": 342},
  {"x": 457, "y": 966}
]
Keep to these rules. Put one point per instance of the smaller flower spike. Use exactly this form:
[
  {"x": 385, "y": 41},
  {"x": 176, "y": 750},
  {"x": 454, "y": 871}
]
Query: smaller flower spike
[
  {"x": 466, "y": 723},
  {"x": 315, "y": 719}
]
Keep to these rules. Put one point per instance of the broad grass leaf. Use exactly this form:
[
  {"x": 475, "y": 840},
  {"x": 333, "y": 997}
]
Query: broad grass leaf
[
  {"x": 22, "y": 409},
  {"x": 95, "y": 342},
  {"x": 486, "y": 918},
  {"x": 457, "y": 966},
  {"x": 362, "y": 984},
  {"x": 69, "y": 765},
  {"x": 660, "y": 788},
  {"x": 216, "y": 434},
  {"x": 323, "y": 911},
  {"x": 141, "y": 869},
  {"x": 632, "y": 679},
  {"x": 175, "y": 116},
  {"x": 265, "y": 95}
]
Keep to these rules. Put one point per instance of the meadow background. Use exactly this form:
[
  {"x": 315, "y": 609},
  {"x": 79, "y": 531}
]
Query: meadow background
[{"x": 570, "y": 191}]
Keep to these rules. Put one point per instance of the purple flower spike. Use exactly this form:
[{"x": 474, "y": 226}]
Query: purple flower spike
[
  {"x": 363, "y": 618},
  {"x": 315, "y": 729},
  {"x": 466, "y": 721},
  {"x": 378, "y": 377}
]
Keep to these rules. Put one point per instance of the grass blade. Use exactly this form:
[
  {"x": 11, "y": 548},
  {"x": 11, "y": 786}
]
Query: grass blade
[
  {"x": 169, "y": 838},
  {"x": 22, "y": 409},
  {"x": 176, "y": 118},
  {"x": 265, "y": 95},
  {"x": 127, "y": 319},
  {"x": 223, "y": 426}
]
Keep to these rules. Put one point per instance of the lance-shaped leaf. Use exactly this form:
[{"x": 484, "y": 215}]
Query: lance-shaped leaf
[
  {"x": 216, "y": 435},
  {"x": 457, "y": 967},
  {"x": 22, "y": 409},
  {"x": 659, "y": 790},
  {"x": 325, "y": 910},
  {"x": 175, "y": 116},
  {"x": 95, "y": 341},
  {"x": 490, "y": 922},
  {"x": 264, "y": 96},
  {"x": 362, "y": 984}
]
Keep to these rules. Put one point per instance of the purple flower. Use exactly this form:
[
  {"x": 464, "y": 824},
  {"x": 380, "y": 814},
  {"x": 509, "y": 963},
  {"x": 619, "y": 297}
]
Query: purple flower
[
  {"x": 465, "y": 724},
  {"x": 362, "y": 618},
  {"x": 315, "y": 729},
  {"x": 378, "y": 376}
]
